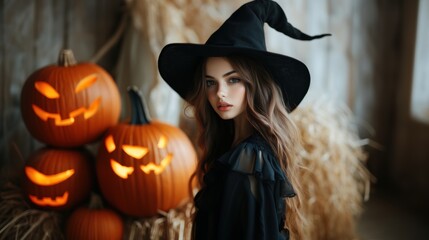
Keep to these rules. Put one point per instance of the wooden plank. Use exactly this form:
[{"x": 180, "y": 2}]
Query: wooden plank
[
  {"x": 410, "y": 155},
  {"x": 18, "y": 62},
  {"x": 110, "y": 14},
  {"x": 3, "y": 96},
  {"x": 49, "y": 31},
  {"x": 91, "y": 24},
  {"x": 81, "y": 25},
  {"x": 32, "y": 34},
  {"x": 379, "y": 106}
]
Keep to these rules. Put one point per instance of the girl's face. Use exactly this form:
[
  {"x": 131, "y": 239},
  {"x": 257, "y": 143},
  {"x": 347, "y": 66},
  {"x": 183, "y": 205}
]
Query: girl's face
[{"x": 225, "y": 88}]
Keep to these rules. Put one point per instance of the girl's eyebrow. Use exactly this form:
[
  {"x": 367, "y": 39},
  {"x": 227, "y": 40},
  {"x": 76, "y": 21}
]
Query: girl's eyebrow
[{"x": 225, "y": 75}]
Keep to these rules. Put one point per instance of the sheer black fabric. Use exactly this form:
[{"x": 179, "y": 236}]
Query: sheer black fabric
[{"x": 243, "y": 197}]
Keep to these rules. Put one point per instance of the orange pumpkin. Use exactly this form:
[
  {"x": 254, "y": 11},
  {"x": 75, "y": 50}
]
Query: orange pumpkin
[
  {"x": 144, "y": 166},
  {"x": 58, "y": 179},
  {"x": 69, "y": 104},
  {"x": 94, "y": 222}
]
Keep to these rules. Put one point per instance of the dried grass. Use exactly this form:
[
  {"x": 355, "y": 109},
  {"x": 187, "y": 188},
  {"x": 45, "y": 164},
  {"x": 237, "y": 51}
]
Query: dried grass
[
  {"x": 19, "y": 221},
  {"x": 172, "y": 225},
  {"x": 334, "y": 177}
]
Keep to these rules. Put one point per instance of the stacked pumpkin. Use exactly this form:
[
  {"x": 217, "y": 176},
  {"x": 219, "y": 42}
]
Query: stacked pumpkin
[
  {"x": 69, "y": 104},
  {"x": 64, "y": 106},
  {"x": 142, "y": 166}
]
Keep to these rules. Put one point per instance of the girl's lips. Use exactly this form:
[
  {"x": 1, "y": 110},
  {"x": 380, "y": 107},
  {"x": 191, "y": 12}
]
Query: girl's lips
[{"x": 223, "y": 106}]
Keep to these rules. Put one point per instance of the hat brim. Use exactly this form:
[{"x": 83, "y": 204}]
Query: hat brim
[{"x": 178, "y": 61}]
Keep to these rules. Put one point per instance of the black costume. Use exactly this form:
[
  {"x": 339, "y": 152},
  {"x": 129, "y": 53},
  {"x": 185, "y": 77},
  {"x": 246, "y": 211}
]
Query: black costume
[{"x": 243, "y": 197}]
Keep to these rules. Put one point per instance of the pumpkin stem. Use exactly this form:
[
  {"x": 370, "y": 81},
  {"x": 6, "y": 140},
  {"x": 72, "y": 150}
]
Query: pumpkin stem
[
  {"x": 95, "y": 201},
  {"x": 138, "y": 109},
  {"x": 66, "y": 58}
]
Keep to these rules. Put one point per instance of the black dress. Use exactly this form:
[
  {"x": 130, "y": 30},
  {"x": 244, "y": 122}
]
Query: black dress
[{"x": 243, "y": 195}]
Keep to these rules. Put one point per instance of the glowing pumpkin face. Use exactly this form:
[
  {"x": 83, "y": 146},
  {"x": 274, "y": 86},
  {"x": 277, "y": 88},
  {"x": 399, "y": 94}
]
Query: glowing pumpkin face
[
  {"x": 137, "y": 153},
  {"x": 45, "y": 89},
  {"x": 58, "y": 179},
  {"x": 71, "y": 104},
  {"x": 143, "y": 167}
]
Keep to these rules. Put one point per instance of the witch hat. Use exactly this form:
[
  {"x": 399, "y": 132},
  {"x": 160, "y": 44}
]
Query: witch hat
[{"x": 241, "y": 34}]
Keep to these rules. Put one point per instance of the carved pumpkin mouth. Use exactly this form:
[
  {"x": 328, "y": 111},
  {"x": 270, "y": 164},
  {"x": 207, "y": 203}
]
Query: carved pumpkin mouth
[
  {"x": 157, "y": 168},
  {"x": 124, "y": 171},
  {"x": 86, "y": 112},
  {"x": 48, "y": 180},
  {"x": 47, "y": 201}
]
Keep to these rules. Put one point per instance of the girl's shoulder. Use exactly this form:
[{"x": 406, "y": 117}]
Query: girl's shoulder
[
  {"x": 244, "y": 156},
  {"x": 253, "y": 156}
]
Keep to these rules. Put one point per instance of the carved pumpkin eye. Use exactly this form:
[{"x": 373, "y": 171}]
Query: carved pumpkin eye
[
  {"x": 162, "y": 143},
  {"x": 135, "y": 151},
  {"x": 47, "y": 180},
  {"x": 120, "y": 170},
  {"x": 109, "y": 143},
  {"x": 86, "y": 82},
  {"x": 46, "y": 89}
]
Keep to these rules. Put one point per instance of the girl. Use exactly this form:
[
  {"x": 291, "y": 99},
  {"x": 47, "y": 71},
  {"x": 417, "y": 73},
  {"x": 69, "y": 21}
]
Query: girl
[
  {"x": 246, "y": 130},
  {"x": 242, "y": 94}
]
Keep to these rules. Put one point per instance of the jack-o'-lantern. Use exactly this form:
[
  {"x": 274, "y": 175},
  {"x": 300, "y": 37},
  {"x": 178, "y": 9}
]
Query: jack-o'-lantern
[
  {"x": 69, "y": 104},
  {"x": 144, "y": 166},
  {"x": 58, "y": 179}
]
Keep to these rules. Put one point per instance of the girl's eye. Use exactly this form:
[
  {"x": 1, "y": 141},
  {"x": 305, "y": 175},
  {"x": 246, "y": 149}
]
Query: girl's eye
[
  {"x": 234, "y": 80},
  {"x": 210, "y": 83}
]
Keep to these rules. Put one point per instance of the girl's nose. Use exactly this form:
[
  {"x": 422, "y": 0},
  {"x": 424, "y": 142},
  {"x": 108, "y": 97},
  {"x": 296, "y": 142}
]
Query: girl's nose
[
  {"x": 221, "y": 94},
  {"x": 221, "y": 91}
]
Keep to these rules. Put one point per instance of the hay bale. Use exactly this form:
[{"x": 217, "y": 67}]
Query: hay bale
[
  {"x": 334, "y": 177},
  {"x": 172, "y": 225},
  {"x": 18, "y": 220}
]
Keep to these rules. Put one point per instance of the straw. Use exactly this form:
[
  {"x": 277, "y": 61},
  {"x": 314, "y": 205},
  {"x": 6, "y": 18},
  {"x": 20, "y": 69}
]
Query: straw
[
  {"x": 19, "y": 221},
  {"x": 334, "y": 177},
  {"x": 172, "y": 225}
]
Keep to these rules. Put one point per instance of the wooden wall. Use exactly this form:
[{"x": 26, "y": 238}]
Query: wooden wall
[
  {"x": 407, "y": 159},
  {"x": 31, "y": 35},
  {"x": 368, "y": 62}
]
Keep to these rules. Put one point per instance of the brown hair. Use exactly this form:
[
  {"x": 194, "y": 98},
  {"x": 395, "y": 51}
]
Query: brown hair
[{"x": 266, "y": 112}]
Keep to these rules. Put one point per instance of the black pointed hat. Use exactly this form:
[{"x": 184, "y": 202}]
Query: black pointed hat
[{"x": 241, "y": 34}]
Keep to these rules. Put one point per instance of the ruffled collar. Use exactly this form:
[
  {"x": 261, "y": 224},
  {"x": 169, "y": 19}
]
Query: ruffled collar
[{"x": 265, "y": 165}]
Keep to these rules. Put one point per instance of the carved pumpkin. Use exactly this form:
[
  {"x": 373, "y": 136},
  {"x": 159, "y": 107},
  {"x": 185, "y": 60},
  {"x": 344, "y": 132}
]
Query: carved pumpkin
[
  {"x": 58, "y": 179},
  {"x": 144, "y": 166},
  {"x": 94, "y": 222},
  {"x": 69, "y": 104}
]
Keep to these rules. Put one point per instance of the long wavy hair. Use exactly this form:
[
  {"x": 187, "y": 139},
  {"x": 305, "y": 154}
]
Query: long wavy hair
[{"x": 267, "y": 114}]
